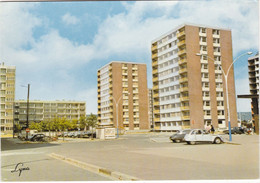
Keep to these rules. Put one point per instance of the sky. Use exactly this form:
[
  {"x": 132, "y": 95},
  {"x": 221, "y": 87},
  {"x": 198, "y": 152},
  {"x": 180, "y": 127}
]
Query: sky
[{"x": 58, "y": 47}]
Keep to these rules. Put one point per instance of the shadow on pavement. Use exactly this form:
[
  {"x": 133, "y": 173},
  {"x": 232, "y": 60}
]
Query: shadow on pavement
[{"x": 15, "y": 144}]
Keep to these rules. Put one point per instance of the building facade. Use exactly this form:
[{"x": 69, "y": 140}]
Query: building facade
[
  {"x": 151, "y": 108},
  {"x": 123, "y": 84},
  {"x": 189, "y": 90},
  {"x": 253, "y": 72},
  {"x": 44, "y": 110},
  {"x": 7, "y": 87}
]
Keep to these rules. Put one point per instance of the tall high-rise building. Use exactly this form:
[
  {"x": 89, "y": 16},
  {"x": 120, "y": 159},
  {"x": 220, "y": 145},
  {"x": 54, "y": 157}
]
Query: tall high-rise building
[
  {"x": 189, "y": 90},
  {"x": 123, "y": 84},
  {"x": 7, "y": 86},
  {"x": 253, "y": 72},
  {"x": 44, "y": 110}
]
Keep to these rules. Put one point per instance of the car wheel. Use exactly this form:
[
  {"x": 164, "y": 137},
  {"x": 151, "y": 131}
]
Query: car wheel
[
  {"x": 217, "y": 141},
  {"x": 188, "y": 142},
  {"x": 192, "y": 142},
  {"x": 178, "y": 141},
  {"x": 235, "y": 133}
]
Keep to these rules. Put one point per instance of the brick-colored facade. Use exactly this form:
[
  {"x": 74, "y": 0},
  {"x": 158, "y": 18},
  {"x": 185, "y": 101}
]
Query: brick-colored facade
[
  {"x": 125, "y": 84},
  {"x": 190, "y": 58}
]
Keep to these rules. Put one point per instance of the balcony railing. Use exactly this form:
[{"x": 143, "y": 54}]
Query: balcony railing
[
  {"x": 185, "y": 117},
  {"x": 156, "y": 103},
  {"x": 185, "y": 108},
  {"x": 184, "y": 99},
  {"x": 182, "y": 61},
  {"x": 180, "y": 34},
  {"x": 154, "y": 55},
  {"x": 156, "y": 111},
  {"x": 155, "y": 71},
  {"x": 183, "y": 89},
  {"x": 154, "y": 63},
  {"x": 181, "y": 52},
  {"x": 155, "y": 79},
  {"x": 181, "y": 43},
  {"x": 183, "y": 80},
  {"x": 154, "y": 47},
  {"x": 183, "y": 70}
]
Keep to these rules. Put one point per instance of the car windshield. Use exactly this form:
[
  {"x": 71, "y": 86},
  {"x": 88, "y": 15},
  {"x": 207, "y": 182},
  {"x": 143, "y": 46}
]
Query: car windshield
[{"x": 186, "y": 131}]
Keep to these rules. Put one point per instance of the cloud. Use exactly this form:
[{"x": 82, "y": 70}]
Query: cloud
[
  {"x": 90, "y": 95},
  {"x": 123, "y": 35},
  {"x": 69, "y": 19},
  {"x": 13, "y": 18}
]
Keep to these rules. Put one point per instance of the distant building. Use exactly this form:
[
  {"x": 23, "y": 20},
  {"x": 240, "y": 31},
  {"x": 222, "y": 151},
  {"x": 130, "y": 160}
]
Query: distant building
[
  {"x": 7, "y": 87},
  {"x": 189, "y": 90},
  {"x": 253, "y": 72},
  {"x": 44, "y": 110},
  {"x": 151, "y": 108},
  {"x": 125, "y": 84},
  {"x": 244, "y": 116}
]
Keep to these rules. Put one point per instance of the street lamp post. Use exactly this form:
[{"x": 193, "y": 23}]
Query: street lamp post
[
  {"x": 226, "y": 84},
  {"x": 117, "y": 136},
  {"x": 27, "y": 116}
]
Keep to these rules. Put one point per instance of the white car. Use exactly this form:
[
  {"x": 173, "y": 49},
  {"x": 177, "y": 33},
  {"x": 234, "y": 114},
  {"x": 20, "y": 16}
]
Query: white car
[{"x": 198, "y": 135}]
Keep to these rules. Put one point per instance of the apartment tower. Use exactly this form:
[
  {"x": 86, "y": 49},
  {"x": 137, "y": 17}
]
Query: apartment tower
[
  {"x": 188, "y": 84},
  {"x": 253, "y": 72},
  {"x": 45, "y": 110},
  {"x": 123, "y": 95},
  {"x": 7, "y": 86}
]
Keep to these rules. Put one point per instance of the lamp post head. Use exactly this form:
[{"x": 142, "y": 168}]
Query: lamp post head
[
  {"x": 249, "y": 53},
  {"x": 198, "y": 54}
]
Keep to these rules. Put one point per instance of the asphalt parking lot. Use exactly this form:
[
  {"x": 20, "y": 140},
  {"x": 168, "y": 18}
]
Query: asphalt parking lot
[{"x": 153, "y": 156}]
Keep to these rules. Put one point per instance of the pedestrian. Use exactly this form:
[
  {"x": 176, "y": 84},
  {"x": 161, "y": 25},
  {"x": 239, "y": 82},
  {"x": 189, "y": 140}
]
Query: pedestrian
[
  {"x": 212, "y": 129},
  {"x": 208, "y": 128}
]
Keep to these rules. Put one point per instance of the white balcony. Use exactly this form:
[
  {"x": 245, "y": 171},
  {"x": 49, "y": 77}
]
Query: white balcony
[
  {"x": 220, "y": 98},
  {"x": 216, "y": 44},
  {"x": 205, "y": 89},
  {"x": 219, "y": 89},
  {"x": 216, "y": 36},
  {"x": 220, "y": 107},
  {"x": 203, "y": 61},
  {"x": 203, "y": 34},
  {"x": 205, "y": 79},
  {"x": 207, "y": 117},
  {"x": 206, "y": 98},
  {"x": 203, "y": 52},
  {"x": 206, "y": 108},
  {"x": 204, "y": 70},
  {"x": 221, "y": 117},
  {"x": 217, "y": 53},
  {"x": 218, "y": 80},
  {"x": 203, "y": 43}
]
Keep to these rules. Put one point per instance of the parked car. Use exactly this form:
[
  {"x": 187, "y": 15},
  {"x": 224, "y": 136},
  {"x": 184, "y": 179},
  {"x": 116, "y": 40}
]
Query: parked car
[
  {"x": 77, "y": 134},
  {"x": 71, "y": 134},
  {"x": 235, "y": 130},
  {"x": 89, "y": 133},
  {"x": 85, "y": 134},
  {"x": 198, "y": 135},
  {"x": 179, "y": 136},
  {"x": 37, "y": 137}
]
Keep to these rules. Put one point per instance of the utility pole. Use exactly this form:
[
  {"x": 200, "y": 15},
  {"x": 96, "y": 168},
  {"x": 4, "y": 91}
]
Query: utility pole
[{"x": 27, "y": 120}]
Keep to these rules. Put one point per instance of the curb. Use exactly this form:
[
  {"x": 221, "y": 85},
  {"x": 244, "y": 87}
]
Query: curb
[{"x": 95, "y": 169}]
